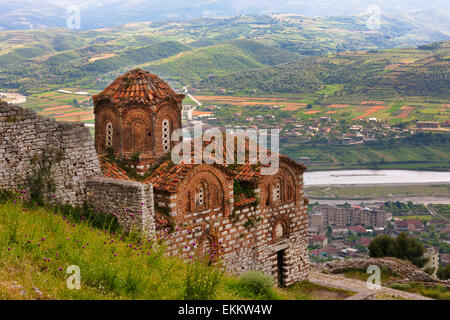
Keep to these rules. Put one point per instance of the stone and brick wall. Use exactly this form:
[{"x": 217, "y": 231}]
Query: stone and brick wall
[
  {"x": 26, "y": 137},
  {"x": 248, "y": 237}
]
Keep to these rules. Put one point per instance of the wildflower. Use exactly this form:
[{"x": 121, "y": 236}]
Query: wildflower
[{"x": 60, "y": 269}]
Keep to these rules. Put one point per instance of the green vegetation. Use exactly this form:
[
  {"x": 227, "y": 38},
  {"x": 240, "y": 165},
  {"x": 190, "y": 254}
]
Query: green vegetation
[
  {"x": 370, "y": 192},
  {"x": 257, "y": 285},
  {"x": 404, "y": 208},
  {"x": 403, "y": 247},
  {"x": 442, "y": 209},
  {"x": 379, "y": 75},
  {"x": 38, "y": 245},
  {"x": 387, "y": 275},
  {"x": 201, "y": 280},
  {"x": 414, "y": 152},
  {"x": 190, "y": 52},
  {"x": 311, "y": 291},
  {"x": 443, "y": 272},
  {"x": 437, "y": 292}
]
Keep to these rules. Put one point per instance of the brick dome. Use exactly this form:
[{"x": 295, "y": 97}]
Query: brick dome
[{"x": 138, "y": 86}]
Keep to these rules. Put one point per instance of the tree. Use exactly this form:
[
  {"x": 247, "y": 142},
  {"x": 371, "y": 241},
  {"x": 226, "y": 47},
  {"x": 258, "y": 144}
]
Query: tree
[
  {"x": 443, "y": 273},
  {"x": 403, "y": 247}
]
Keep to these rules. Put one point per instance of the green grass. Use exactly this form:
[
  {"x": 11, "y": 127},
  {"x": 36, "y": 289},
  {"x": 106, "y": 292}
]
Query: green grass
[
  {"x": 311, "y": 291},
  {"x": 38, "y": 245},
  {"x": 416, "y": 217},
  {"x": 437, "y": 292},
  {"x": 386, "y": 275}
]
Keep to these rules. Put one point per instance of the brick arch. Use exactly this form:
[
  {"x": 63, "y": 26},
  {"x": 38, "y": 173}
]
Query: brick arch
[
  {"x": 103, "y": 116},
  {"x": 288, "y": 184},
  {"x": 284, "y": 222},
  {"x": 208, "y": 246},
  {"x": 137, "y": 125},
  {"x": 217, "y": 188}
]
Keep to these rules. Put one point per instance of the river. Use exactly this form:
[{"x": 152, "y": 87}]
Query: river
[{"x": 339, "y": 177}]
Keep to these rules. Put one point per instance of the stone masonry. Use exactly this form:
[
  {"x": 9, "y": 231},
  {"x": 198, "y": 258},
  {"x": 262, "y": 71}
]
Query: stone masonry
[
  {"x": 131, "y": 202},
  {"x": 25, "y": 137}
]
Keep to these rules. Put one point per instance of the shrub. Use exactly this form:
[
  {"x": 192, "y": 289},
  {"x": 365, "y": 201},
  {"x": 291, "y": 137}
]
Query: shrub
[
  {"x": 402, "y": 247},
  {"x": 443, "y": 273},
  {"x": 202, "y": 280},
  {"x": 256, "y": 284}
]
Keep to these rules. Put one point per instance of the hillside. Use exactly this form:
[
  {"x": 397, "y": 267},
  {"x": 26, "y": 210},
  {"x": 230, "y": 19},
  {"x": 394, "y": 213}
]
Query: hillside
[
  {"x": 423, "y": 71},
  {"x": 184, "y": 52},
  {"x": 38, "y": 244}
]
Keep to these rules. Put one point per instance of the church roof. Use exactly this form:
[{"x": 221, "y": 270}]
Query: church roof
[
  {"x": 167, "y": 176},
  {"x": 110, "y": 169},
  {"x": 137, "y": 86}
]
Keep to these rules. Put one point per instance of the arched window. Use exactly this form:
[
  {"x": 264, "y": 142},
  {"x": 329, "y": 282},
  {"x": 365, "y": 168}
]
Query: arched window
[
  {"x": 199, "y": 197},
  {"x": 276, "y": 192},
  {"x": 290, "y": 192},
  {"x": 109, "y": 135},
  {"x": 166, "y": 135}
]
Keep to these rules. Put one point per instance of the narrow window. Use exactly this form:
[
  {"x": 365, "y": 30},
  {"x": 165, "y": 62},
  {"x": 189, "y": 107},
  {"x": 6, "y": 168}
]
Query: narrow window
[
  {"x": 276, "y": 192},
  {"x": 109, "y": 135},
  {"x": 199, "y": 197},
  {"x": 166, "y": 135}
]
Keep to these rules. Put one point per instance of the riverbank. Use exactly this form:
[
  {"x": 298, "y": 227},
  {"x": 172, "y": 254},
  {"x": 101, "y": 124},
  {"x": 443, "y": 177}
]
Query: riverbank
[
  {"x": 417, "y": 193},
  {"x": 419, "y": 166},
  {"x": 374, "y": 177}
]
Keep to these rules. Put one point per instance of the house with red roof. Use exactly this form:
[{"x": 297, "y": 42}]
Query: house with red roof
[
  {"x": 318, "y": 240},
  {"x": 357, "y": 229},
  {"x": 408, "y": 225},
  {"x": 365, "y": 241}
]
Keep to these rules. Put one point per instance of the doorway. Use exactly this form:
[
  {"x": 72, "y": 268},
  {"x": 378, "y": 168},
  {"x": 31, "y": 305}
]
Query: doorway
[{"x": 280, "y": 268}]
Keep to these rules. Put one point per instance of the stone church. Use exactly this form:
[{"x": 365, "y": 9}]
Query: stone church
[{"x": 233, "y": 213}]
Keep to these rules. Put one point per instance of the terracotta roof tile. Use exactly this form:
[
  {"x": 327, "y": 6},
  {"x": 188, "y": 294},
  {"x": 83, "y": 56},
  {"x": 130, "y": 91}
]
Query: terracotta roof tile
[
  {"x": 112, "y": 170},
  {"x": 137, "y": 86}
]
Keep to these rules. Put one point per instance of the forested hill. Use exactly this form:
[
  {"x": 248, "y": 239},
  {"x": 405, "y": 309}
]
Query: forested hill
[{"x": 421, "y": 71}]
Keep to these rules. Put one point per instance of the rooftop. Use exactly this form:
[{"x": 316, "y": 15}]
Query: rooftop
[{"x": 137, "y": 86}]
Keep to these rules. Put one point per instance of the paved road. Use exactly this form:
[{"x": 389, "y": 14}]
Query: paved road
[{"x": 339, "y": 281}]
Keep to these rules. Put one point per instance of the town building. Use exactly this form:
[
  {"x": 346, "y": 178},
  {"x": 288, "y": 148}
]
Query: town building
[
  {"x": 353, "y": 215},
  {"x": 427, "y": 125},
  {"x": 432, "y": 254},
  {"x": 318, "y": 240}
]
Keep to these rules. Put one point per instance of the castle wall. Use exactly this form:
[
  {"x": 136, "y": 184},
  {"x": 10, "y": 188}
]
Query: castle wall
[
  {"x": 130, "y": 201},
  {"x": 67, "y": 148}
]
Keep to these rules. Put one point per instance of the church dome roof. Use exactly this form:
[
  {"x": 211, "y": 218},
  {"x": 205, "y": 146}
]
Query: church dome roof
[{"x": 138, "y": 86}]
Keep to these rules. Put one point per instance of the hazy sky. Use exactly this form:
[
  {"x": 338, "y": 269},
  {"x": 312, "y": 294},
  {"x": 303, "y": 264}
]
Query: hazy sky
[
  {"x": 319, "y": 7},
  {"x": 97, "y": 13}
]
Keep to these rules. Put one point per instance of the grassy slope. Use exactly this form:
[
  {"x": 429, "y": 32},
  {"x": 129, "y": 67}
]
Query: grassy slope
[{"x": 37, "y": 245}]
